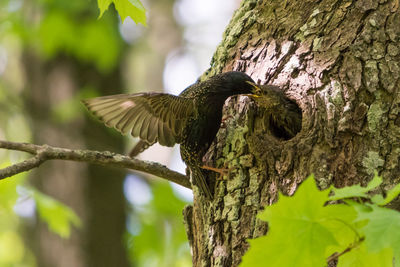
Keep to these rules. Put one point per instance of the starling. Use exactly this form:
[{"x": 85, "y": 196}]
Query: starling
[
  {"x": 191, "y": 119},
  {"x": 278, "y": 115}
]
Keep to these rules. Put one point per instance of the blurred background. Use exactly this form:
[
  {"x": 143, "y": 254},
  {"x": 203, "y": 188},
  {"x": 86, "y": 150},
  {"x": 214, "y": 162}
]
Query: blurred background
[{"x": 53, "y": 53}]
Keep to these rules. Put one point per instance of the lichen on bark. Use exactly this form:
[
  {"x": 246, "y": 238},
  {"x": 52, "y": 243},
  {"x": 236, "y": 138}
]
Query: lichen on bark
[{"x": 339, "y": 60}]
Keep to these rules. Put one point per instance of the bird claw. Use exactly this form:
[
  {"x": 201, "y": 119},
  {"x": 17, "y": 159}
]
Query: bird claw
[{"x": 222, "y": 172}]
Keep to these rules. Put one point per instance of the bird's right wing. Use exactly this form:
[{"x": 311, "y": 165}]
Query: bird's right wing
[
  {"x": 139, "y": 148},
  {"x": 150, "y": 116}
]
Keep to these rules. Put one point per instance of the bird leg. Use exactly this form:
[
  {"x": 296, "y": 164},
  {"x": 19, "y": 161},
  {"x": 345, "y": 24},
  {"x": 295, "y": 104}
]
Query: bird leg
[{"x": 222, "y": 172}]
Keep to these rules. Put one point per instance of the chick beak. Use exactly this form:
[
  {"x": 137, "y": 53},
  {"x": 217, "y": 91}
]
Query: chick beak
[{"x": 256, "y": 92}]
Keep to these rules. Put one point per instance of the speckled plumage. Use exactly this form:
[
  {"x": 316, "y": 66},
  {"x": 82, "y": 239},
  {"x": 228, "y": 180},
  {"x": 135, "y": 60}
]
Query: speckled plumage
[{"x": 191, "y": 119}]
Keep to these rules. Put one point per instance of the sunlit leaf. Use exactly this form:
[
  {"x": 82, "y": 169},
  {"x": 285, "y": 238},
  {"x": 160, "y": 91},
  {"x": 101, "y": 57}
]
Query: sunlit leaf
[
  {"x": 161, "y": 220},
  {"x": 58, "y": 216},
  {"x": 361, "y": 257},
  {"x": 93, "y": 33},
  {"x": 310, "y": 225},
  {"x": 162, "y": 192},
  {"x": 382, "y": 230},
  {"x": 390, "y": 195},
  {"x": 90, "y": 41},
  {"x": 125, "y": 8},
  {"x": 57, "y": 33},
  {"x": 8, "y": 189},
  {"x": 356, "y": 190},
  {"x": 11, "y": 248},
  {"x": 103, "y": 6}
]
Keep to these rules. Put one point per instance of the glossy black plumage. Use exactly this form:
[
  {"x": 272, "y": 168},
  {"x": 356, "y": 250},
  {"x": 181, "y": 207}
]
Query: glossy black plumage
[{"x": 191, "y": 119}]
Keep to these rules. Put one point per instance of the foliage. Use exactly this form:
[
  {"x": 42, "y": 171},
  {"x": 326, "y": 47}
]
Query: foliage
[
  {"x": 157, "y": 236},
  {"x": 60, "y": 32},
  {"x": 313, "y": 227},
  {"x": 64, "y": 28},
  {"x": 58, "y": 216},
  {"x": 53, "y": 31},
  {"x": 13, "y": 251},
  {"x": 125, "y": 8}
]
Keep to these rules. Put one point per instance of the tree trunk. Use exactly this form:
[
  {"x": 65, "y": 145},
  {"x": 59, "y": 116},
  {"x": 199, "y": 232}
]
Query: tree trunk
[
  {"x": 339, "y": 60},
  {"x": 97, "y": 191}
]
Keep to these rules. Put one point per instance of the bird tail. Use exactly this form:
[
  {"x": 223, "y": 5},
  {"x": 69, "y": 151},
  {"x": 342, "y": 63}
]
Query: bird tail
[{"x": 199, "y": 179}]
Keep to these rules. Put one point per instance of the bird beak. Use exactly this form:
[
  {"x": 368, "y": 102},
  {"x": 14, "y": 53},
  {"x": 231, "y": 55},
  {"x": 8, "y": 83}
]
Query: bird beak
[{"x": 256, "y": 90}]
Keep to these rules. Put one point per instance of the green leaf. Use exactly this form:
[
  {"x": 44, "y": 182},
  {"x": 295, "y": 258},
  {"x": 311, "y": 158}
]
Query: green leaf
[
  {"x": 8, "y": 189},
  {"x": 57, "y": 32},
  {"x": 377, "y": 199},
  {"x": 382, "y": 230},
  {"x": 62, "y": 33},
  {"x": 361, "y": 257},
  {"x": 160, "y": 219},
  {"x": 11, "y": 248},
  {"x": 390, "y": 195},
  {"x": 137, "y": 4},
  {"x": 356, "y": 190},
  {"x": 103, "y": 6},
  {"x": 304, "y": 227},
  {"x": 58, "y": 216},
  {"x": 125, "y": 8},
  {"x": 161, "y": 192},
  {"x": 105, "y": 56}
]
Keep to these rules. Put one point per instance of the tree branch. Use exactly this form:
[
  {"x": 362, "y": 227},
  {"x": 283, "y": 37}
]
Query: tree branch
[
  {"x": 45, "y": 152},
  {"x": 336, "y": 255}
]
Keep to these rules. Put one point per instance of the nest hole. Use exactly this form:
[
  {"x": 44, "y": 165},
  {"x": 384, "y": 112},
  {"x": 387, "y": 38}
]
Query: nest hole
[{"x": 285, "y": 123}]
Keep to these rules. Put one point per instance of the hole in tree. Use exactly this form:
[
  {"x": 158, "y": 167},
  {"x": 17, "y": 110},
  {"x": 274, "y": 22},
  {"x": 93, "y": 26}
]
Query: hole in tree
[
  {"x": 282, "y": 117},
  {"x": 287, "y": 122}
]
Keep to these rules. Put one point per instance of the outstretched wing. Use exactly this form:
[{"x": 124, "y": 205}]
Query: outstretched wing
[{"x": 150, "y": 116}]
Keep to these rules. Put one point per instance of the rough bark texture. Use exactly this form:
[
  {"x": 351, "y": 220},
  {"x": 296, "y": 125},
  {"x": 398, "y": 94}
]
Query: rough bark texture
[{"x": 339, "y": 60}]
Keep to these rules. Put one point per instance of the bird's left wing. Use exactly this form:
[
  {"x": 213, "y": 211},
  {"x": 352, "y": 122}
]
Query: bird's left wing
[{"x": 150, "y": 116}]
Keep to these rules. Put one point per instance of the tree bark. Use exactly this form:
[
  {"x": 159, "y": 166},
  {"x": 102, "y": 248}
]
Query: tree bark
[{"x": 339, "y": 61}]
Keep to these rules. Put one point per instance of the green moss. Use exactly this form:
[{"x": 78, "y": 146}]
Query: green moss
[
  {"x": 336, "y": 95},
  {"x": 231, "y": 207},
  {"x": 246, "y": 160},
  {"x": 299, "y": 37},
  {"x": 325, "y": 181},
  {"x": 236, "y": 180},
  {"x": 375, "y": 113},
  {"x": 317, "y": 43},
  {"x": 372, "y": 162},
  {"x": 393, "y": 50},
  {"x": 371, "y": 75}
]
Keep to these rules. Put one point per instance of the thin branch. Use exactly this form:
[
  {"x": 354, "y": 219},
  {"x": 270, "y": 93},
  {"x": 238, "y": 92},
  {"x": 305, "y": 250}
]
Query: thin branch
[
  {"x": 44, "y": 152},
  {"x": 336, "y": 255}
]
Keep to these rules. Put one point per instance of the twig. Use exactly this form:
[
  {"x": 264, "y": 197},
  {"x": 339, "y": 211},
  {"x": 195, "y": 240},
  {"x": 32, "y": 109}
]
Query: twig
[
  {"x": 336, "y": 255},
  {"x": 45, "y": 152}
]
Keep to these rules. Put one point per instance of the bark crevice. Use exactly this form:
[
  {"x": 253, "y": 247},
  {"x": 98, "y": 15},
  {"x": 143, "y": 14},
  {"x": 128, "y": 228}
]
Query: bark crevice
[{"x": 338, "y": 60}]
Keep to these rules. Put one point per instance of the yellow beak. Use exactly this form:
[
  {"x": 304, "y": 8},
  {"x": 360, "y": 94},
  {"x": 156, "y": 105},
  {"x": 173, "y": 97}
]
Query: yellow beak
[{"x": 256, "y": 90}]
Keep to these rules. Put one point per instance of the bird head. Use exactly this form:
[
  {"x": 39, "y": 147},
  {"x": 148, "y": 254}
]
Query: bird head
[
  {"x": 235, "y": 82},
  {"x": 256, "y": 91}
]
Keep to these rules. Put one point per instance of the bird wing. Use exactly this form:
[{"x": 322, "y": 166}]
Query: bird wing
[
  {"x": 150, "y": 116},
  {"x": 139, "y": 148}
]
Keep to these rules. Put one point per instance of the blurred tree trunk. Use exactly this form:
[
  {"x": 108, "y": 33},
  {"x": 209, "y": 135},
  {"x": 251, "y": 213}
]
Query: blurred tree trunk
[
  {"x": 95, "y": 193},
  {"x": 339, "y": 60}
]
